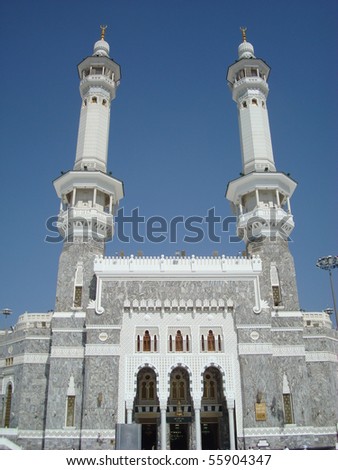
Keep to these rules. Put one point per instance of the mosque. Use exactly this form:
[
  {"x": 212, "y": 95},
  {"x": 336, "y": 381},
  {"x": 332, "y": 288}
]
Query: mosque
[{"x": 182, "y": 352}]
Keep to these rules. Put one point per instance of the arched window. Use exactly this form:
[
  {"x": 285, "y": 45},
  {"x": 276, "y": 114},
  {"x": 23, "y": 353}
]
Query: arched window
[
  {"x": 146, "y": 341},
  {"x": 179, "y": 341},
  {"x": 70, "y": 412},
  {"x": 178, "y": 387},
  {"x": 8, "y": 405},
  {"x": 170, "y": 343},
  {"x": 219, "y": 343},
  {"x": 275, "y": 286},
  {"x": 287, "y": 402},
  {"x": 94, "y": 99},
  {"x": 138, "y": 343},
  {"x": 143, "y": 390},
  {"x": 155, "y": 343},
  {"x": 210, "y": 384},
  {"x": 288, "y": 411},
  {"x": 202, "y": 343},
  {"x": 211, "y": 341},
  {"x": 151, "y": 390},
  {"x": 147, "y": 385},
  {"x": 187, "y": 342},
  {"x": 255, "y": 102}
]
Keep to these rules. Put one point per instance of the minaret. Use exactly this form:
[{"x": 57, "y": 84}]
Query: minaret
[
  {"x": 89, "y": 196},
  {"x": 261, "y": 196}
]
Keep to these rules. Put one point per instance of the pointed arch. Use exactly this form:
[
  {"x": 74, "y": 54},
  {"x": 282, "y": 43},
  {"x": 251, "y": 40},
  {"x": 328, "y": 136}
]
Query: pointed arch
[
  {"x": 211, "y": 341},
  {"x": 146, "y": 341}
]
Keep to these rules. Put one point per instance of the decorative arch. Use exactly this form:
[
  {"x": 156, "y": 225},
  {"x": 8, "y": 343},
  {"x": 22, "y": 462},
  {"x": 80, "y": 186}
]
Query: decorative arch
[
  {"x": 223, "y": 376},
  {"x": 138, "y": 370},
  {"x": 146, "y": 386},
  {"x": 7, "y": 380},
  {"x": 187, "y": 369}
]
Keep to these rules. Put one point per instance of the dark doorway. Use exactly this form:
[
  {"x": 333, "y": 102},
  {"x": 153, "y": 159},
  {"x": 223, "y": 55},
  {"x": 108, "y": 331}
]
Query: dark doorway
[
  {"x": 149, "y": 436},
  {"x": 210, "y": 436},
  {"x": 179, "y": 434}
]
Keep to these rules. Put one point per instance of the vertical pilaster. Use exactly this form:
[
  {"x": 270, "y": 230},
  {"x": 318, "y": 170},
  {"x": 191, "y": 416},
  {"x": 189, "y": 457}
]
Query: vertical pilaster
[
  {"x": 231, "y": 414},
  {"x": 163, "y": 426}
]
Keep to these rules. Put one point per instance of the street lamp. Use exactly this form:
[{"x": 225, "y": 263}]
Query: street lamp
[
  {"x": 6, "y": 311},
  {"x": 329, "y": 263}
]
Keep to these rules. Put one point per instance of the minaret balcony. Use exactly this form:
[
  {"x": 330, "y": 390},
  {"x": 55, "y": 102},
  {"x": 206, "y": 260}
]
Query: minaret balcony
[
  {"x": 85, "y": 224},
  {"x": 85, "y": 212},
  {"x": 265, "y": 222},
  {"x": 100, "y": 81},
  {"x": 274, "y": 214},
  {"x": 244, "y": 84}
]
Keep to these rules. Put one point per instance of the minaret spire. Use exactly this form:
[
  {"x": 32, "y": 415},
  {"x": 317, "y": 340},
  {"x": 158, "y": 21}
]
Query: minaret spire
[
  {"x": 243, "y": 29},
  {"x": 103, "y": 31}
]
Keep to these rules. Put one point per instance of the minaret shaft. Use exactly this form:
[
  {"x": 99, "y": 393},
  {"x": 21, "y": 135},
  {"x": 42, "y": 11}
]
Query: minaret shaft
[
  {"x": 92, "y": 143},
  {"x": 255, "y": 134}
]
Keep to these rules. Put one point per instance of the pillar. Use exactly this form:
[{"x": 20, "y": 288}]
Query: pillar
[
  {"x": 129, "y": 415},
  {"x": 163, "y": 427},
  {"x": 198, "y": 428},
  {"x": 231, "y": 409}
]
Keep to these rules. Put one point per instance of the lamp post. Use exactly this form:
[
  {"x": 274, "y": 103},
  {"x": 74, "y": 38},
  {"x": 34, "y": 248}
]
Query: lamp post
[
  {"x": 6, "y": 312},
  {"x": 329, "y": 263}
]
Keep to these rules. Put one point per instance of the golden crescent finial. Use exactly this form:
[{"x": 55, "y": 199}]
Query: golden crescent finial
[
  {"x": 103, "y": 31},
  {"x": 243, "y": 29}
]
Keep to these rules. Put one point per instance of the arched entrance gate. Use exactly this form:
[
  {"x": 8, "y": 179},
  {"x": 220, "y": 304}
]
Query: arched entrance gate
[{"x": 182, "y": 423}]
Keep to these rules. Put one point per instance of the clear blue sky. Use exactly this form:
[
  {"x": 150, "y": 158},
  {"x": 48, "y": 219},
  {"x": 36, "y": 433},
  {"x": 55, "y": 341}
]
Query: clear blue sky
[{"x": 174, "y": 135}]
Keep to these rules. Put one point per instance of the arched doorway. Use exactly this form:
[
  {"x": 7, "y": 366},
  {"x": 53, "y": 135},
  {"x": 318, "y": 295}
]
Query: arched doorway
[
  {"x": 146, "y": 409},
  {"x": 214, "y": 413},
  {"x": 179, "y": 414}
]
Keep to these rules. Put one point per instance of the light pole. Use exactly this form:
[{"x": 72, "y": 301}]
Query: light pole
[
  {"x": 329, "y": 263},
  {"x": 6, "y": 312}
]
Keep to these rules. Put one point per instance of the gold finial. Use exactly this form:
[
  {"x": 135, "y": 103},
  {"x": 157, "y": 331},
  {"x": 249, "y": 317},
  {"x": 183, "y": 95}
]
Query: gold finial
[
  {"x": 243, "y": 29},
  {"x": 103, "y": 31}
]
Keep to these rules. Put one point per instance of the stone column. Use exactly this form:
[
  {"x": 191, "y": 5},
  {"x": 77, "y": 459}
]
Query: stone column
[
  {"x": 163, "y": 427},
  {"x": 129, "y": 415},
  {"x": 198, "y": 427},
  {"x": 231, "y": 406},
  {"x": 129, "y": 407}
]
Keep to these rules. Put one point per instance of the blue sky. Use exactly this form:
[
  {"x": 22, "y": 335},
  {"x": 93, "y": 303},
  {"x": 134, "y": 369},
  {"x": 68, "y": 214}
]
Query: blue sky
[{"x": 174, "y": 137}]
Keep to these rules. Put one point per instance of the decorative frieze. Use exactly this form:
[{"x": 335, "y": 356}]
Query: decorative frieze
[
  {"x": 288, "y": 350},
  {"x": 320, "y": 356},
  {"x": 177, "y": 266},
  {"x": 102, "y": 350},
  {"x": 176, "y": 306},
  {"x": 254, "y": 348},
  {"x": 67, "y": 352},
  {"x": 289, "y": 430}
]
